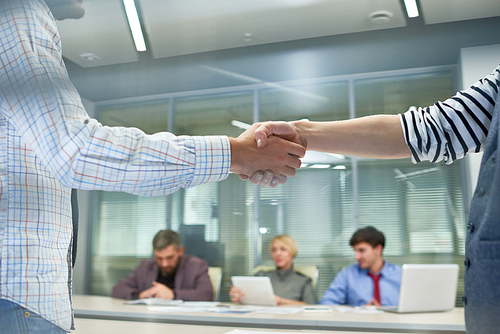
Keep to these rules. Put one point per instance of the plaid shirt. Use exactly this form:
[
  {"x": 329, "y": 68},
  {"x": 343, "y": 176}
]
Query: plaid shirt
[{"x": 48, "y": 145}]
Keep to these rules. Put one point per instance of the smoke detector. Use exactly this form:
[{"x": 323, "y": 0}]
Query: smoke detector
[{"x": 380, "y": 17}]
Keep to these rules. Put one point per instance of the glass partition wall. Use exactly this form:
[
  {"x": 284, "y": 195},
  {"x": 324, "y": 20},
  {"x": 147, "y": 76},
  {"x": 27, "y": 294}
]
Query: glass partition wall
[{"x": 419, "y": 208}]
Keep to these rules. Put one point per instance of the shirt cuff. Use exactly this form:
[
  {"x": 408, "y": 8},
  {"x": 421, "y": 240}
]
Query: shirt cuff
[{"x": 213, "y": 159}]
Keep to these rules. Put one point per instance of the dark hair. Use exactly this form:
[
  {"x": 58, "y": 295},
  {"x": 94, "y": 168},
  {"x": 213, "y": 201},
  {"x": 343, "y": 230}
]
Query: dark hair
[
  {"x": 368, "y": 234},
  {"x": 165, "y": 238}
]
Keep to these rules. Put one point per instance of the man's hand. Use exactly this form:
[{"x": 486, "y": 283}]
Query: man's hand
[
  {"x": 279, "y": 156},
  {"x": 373, "y": 302},
  {"x": 158, "y": 290}
]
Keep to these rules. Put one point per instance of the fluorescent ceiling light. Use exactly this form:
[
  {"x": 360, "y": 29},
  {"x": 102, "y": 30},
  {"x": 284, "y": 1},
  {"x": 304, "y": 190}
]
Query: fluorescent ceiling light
[
  {"x": 339, "y": 167},
  {"x": 320, "y": 166},
  {"x": 240, "y": 125},
  {"x": 411, "y": 8},
  {"x": 135, "y": 25}
]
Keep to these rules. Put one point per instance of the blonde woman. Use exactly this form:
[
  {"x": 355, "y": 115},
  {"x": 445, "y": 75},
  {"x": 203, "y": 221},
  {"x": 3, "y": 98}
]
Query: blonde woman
[{"x": 290, "y": 287}]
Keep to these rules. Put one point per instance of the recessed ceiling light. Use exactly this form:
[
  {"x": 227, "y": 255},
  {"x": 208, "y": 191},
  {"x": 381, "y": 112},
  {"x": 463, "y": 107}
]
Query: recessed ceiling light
[{"x": 380, "y": 17}]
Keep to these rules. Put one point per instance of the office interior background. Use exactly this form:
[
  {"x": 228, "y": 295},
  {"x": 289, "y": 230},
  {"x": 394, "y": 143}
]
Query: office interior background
[{"x": 213, "y": 67}]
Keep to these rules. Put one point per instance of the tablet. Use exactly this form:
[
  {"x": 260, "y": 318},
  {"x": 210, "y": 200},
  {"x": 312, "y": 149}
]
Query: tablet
[{"x": 257, "y": 290}]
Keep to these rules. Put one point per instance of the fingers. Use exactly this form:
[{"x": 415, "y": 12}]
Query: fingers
[
  {"x": 267, "y": 178},
  {"x": 296, "y": 149},
  {"x": 285, "y": 130}
]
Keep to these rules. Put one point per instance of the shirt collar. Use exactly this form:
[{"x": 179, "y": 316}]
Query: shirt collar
[{"x": 284, "y": 273}]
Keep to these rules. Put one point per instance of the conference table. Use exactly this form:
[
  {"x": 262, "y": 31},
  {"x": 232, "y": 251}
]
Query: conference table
[{"x": 106, "y": 311}]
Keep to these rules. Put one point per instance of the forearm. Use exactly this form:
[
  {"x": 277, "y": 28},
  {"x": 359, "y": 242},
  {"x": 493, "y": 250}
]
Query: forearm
[
  {"x": 379, "y": 136},
  {"x": 198, "y": 294},
  {"x": 284, "y": 301}
]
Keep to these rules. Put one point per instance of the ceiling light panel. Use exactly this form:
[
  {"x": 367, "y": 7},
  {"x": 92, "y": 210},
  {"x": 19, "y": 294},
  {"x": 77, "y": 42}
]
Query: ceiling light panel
[
  {"x": 178, "y": 27},
  {"x": 457, "y": 10},
  {"x": 103, "y": 31}
]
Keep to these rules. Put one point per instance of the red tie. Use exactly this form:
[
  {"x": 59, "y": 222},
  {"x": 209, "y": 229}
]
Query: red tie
[{"x": 376, "y": 288}]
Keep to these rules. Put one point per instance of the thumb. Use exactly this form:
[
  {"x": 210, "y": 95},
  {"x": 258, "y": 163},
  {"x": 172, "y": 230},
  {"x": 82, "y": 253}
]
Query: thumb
[
  {"x": 283, "y": 130},
  {"x": 262, "y": 132}
]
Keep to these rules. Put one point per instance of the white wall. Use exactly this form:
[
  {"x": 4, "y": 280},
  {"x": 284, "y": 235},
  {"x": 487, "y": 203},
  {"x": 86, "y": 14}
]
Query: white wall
[
  {"x": 84, "y": 202},
  {"x": 476, "y": 63}
]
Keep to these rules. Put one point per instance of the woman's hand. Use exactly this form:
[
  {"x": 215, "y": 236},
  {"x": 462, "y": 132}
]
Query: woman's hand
[
  {"x": 278, "y": 300},
  {"x": 235, "y": 294}
]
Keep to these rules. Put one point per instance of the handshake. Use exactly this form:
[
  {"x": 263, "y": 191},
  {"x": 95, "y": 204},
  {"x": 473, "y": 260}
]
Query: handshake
[{"x": 267, "y": 153}]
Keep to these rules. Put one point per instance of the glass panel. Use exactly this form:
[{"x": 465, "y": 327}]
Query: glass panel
[
  {"x": 315, "y": 208},
  {"x": 395, "y": 95},
  {"x": 212, "y": 115},
  {"x": 215, "y": 220},
  {"x": 124, "y": 224},
  {"x": 326, "y": 102},
  {"x": 123, "y": 234},
  {"x": 150, "y": 118},
  {"x": 418, "y": 207}
]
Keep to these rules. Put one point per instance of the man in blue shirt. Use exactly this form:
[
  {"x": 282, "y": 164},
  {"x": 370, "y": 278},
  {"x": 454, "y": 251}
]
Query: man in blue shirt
[{"x": 371, "y": 281}]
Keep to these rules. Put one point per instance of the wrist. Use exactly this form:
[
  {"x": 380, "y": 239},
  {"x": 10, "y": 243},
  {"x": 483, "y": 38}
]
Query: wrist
[{"x": 236, "y": 166}]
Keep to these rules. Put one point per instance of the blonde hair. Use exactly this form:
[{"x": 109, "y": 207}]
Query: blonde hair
[{"x": 288, "y": 241}]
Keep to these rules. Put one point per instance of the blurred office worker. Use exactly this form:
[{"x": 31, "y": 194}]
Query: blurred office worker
[
  {"x": 371, "y": 281},
  {"x": 171, "y": 274},
  {"x": 290, "y": 287},
  {"x": 49, "y": 145}
]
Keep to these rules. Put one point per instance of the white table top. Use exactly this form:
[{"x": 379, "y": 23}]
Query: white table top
[
  {"x": 94, "y": 326},
  {"x": 96, "y": 307}
]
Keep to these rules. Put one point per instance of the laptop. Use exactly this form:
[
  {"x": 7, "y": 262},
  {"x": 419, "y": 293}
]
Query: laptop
[
  {"x": 257, "y": 290},
  {"x": 426, "y": 288}
]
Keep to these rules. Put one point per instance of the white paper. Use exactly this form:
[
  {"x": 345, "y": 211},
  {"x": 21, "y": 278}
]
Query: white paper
[
  {"x": 200, "y": 304},
  {"x": 244, "y": 331},
  {"x": 223, "y": 309},
  {"x": 154, "y": 301},
  {"x": 358, "y": 309}
]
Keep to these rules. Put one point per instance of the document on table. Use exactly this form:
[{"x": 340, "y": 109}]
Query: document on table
[
  {"x": 244, "y": 331},
  {"x": 358, "y": 309},
  {"x": 154, "y": 301},
  {"x": 226, "y": 309}
]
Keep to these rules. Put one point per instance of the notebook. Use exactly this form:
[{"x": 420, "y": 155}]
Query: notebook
[
  {"x": 257, "y": 290},
  {"x": 426, "y": 288}
]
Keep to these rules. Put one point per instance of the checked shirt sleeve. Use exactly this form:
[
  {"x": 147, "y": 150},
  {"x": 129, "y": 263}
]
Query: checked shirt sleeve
[{"x": 39, "y": 100}]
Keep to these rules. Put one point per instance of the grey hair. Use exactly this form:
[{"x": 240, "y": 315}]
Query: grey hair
[{"x": 165, "y": 238}]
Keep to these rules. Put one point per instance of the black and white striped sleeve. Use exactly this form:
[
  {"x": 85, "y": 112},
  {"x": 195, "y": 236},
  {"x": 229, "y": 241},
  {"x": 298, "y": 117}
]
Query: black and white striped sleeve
[{"x": 449, "y": 130}]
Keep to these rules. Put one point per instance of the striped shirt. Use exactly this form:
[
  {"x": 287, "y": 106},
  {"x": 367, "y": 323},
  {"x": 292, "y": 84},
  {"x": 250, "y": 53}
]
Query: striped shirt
[
  {"x": 449, "y": 130},
  {"x": 49, "y": 144}
]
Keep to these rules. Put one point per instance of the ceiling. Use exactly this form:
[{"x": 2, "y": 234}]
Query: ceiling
[{"x": 182, "y": 27}]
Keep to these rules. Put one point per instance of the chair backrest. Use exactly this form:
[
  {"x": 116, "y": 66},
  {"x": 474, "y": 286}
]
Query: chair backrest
[
  {"x": 215, "y": 274},
  {"x": 309, "y": 271}
]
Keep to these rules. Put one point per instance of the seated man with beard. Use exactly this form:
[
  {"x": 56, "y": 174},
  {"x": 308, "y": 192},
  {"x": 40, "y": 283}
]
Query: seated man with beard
[{"x": 171, "y": 274}]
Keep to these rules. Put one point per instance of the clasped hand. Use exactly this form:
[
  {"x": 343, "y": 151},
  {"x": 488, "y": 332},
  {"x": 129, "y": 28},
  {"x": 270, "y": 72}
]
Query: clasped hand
[{"x": 272, "y": 163}]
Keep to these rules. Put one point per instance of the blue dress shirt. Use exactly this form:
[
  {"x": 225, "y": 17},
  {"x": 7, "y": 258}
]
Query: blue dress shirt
[{"x": 353, "y": 286}]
